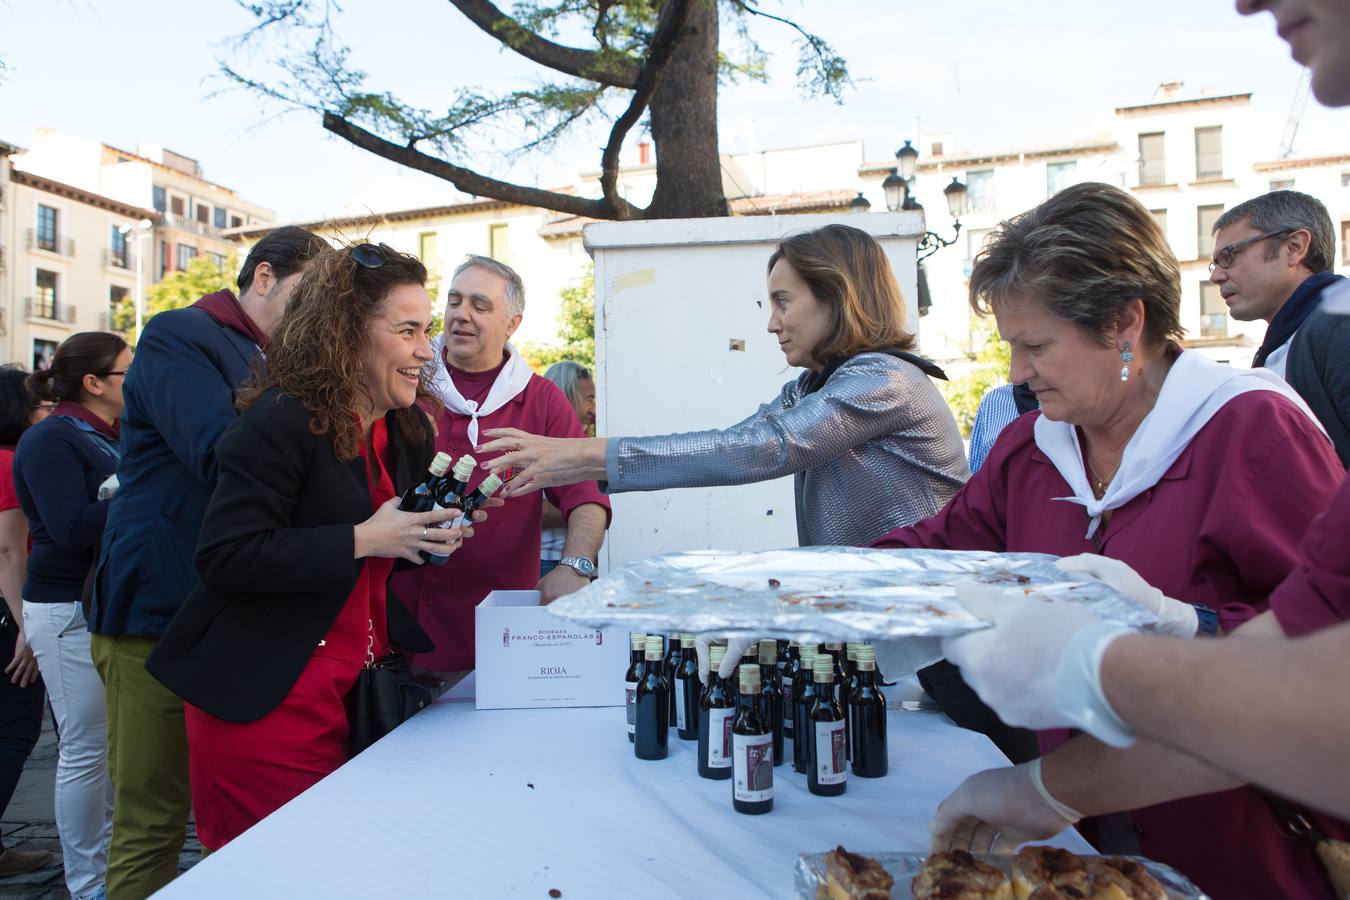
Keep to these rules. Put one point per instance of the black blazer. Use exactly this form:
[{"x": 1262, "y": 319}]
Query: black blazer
[{"x": 275, "y": 561}]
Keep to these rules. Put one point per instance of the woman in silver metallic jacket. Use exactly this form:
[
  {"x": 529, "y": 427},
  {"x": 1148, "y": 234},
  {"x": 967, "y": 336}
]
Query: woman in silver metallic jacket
[{"x": 868, "y": 437}]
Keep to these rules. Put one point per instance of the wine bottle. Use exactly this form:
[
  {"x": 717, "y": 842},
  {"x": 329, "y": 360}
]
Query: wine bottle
[
  {"x": 637, "y": 646},
  {"x": 867, "y": 719},
  {"x": 475, "y": 501},
  {"x": 827, "y": 772},
  {"x": 715, "y": 716},
  {"x": 421, "y": 497},
  {"x": 770, "y": 697},
  {"x": 803, "y": 696},
  {"x": 787, "y": 671},
  {"x": 751, "y": 747},
  {"x": 448, "y": 496},
  {"x": 668, "y": 667},
  {"x": 686, "y": 690},
  {"x": 651, "y": 739}
]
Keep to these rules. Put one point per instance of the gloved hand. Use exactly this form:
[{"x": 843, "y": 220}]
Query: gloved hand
[
  {"x": 736, "y": 648},
  {"x": 1174, "y": 617},
  {"x": 1040, "y": 665},
  {"x": 996, "y": 810}
]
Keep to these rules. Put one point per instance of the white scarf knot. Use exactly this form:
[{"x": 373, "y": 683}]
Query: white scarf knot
[{"x": 511, "y": 380}]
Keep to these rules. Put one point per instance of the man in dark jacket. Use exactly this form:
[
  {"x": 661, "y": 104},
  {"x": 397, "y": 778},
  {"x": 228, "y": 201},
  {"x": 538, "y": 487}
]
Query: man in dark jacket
[{"x": 179, "y": 398}]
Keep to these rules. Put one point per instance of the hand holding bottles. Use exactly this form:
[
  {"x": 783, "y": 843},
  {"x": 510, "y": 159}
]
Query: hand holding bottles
[
  {"x": 395, "y": 534},
  {"x": 736, "y": 648}
]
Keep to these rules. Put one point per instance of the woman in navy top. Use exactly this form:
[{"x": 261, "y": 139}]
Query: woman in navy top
[{"x": 59, "y": 467}]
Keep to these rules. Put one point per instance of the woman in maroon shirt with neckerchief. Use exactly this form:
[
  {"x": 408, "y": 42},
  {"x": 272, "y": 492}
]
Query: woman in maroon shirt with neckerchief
[{"x": 1201, "y": 477}]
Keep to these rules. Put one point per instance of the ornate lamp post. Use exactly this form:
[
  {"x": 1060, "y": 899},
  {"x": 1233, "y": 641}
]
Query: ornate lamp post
[{"x": 898, "y": 187}]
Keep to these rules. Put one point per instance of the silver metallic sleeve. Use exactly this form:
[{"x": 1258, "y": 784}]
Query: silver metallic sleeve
[{"x": 866, "y": 398}]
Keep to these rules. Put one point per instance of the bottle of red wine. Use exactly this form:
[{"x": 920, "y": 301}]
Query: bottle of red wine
[
  {"x": 827, "y": 774},
  {"x": 749, "y": 658},
  {"x": 669, "y": 665},
  {"x": 448, "y": 496},
  {"x": 788, "y": 667},
  {"x": 867, "y": 719},
  {"x": 770, "y": 697},
  {"x": 637, "y": 646},
  {"x": 651, "y": 739},
  {"x": 486, "y": 489},
  {"x": 716, "y": 711},
  {"x": 421, "y": 497},
  {"x": 751, "y": 748},
  {"x": 803, "y": 696},
  {"x": 687, "y": 690}
]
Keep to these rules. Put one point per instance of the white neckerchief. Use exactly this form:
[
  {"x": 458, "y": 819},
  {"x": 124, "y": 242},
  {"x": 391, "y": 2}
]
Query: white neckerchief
[
  {"x": 1195, "y": 389},
  {"x": 511, "y": 380}
]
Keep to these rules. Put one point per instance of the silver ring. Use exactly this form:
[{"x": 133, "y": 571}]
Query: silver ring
[{"x": 424, "y": 534}]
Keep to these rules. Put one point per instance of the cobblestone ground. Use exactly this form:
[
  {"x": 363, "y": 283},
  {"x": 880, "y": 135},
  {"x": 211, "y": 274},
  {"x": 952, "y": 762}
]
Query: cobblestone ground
[{"x": 30, "y": 824}]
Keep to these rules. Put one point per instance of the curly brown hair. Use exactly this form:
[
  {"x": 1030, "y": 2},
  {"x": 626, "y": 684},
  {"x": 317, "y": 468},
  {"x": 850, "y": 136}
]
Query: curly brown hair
[{"x": 317, "y": 352}]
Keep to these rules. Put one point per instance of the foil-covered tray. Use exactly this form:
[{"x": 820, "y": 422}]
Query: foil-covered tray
[
  {"x": 825, "y": 593},
  {"x": 810, "y": 874}
]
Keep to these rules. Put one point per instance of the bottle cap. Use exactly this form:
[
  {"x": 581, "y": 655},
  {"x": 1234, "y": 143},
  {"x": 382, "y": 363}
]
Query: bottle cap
[
  {"x": 768, "y": 653},
  {"x": 823, "y": 667},
  {"x": 749, "y": 675},
  {"x": 464, "y": 467},
  {"x": 686, "y": 640},
  {"x": 637, "y": 640},
  {"x": 834, "y": 648},
  {"x": 716, "y": 653},
  {"x": 808, "y": 653},
  {"x": 751, "y": 652},
  {"x": 653, "y": 646},
  {"x": 851, "y": 650},
  {"x": 490, "y": 485},
  {"x": 439, "y": 463},
  {"x": 793, "y": 644},
  {"x": 867, "y": 664},
  {"x": 867, "y": 651}
]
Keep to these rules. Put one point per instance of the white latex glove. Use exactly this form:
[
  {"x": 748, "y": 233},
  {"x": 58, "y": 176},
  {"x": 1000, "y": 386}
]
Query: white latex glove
[
  {"x": 996, "y": 810},
  {"x": 1174, "y": 616},
  {"x": 1040, "y": 665},
  {"x": 736, "y": 648}
]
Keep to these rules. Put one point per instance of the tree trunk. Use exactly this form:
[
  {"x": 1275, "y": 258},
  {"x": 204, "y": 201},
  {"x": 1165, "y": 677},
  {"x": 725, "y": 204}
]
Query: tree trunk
[{"x": 684, "y": 125}]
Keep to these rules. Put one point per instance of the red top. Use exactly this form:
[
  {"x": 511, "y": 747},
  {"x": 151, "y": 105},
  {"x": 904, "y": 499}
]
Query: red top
[
  {"x": 1317, "y": 593},
  {"x": 1220, "y": 528},
  {"x": 504, "y": 552},
  {"x": 9, "y": 498},
  {"x": 78, "y": 411}
]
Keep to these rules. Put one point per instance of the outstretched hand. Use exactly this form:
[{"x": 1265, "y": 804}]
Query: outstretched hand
[{"x": 542, "y": 462}]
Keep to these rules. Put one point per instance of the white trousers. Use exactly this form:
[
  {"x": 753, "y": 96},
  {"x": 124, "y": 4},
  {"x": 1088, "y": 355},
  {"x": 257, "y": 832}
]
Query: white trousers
[{"x": 59, "y": 637}]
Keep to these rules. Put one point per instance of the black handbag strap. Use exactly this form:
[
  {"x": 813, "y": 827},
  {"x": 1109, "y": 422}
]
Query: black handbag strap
[{"x": 1295, "y": 823}]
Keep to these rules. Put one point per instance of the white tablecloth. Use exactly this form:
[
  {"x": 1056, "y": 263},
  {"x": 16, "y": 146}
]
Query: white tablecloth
[{"x": 462, "y": 803}]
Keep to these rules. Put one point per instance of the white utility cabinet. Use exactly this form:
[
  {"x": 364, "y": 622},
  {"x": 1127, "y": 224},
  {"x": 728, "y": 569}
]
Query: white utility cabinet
[{"x": 681, "y": 344}]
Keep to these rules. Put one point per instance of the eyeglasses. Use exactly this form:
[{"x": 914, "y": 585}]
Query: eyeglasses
[
  {"x": 369, "y": 256},
  {"x": 110, "y": 374},
  {"x": 1225, "y": 255}
]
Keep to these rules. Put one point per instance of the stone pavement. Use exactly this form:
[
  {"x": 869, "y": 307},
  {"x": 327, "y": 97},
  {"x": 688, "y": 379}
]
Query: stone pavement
[{"x": 30, "y": 824}]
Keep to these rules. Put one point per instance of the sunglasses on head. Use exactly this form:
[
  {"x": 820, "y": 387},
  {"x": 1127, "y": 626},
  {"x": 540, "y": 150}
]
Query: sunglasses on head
[{"x": 369, "y": 256}]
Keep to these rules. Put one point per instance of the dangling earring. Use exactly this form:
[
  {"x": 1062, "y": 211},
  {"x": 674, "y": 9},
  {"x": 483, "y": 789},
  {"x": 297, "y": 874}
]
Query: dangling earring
[{"x": 1126, "y": 357}]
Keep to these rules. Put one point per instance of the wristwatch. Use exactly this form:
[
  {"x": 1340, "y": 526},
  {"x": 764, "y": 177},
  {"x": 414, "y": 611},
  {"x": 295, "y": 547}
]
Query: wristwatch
[
  {"x": 583, "y": 566},
  {"x": 1207, "y": 620}
]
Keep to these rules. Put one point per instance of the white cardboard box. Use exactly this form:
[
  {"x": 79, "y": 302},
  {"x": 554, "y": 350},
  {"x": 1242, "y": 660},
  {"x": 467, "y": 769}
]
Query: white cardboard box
[{"x": 528, "y": 658}]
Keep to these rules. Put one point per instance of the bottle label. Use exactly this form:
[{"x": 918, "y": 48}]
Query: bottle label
[
  {"x": 630, "y": 698},
  {"x": 752, "y": 774},
  {"x": 785, "y": 683},
  {"x": 830, "y": 752},
  {"x": 679, "y": 704},
  {"x": 719, "y": 737}
]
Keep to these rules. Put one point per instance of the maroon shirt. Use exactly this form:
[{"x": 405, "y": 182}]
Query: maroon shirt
[
  {"x": 503, "y": 554},
  {"x": 1221, "y": 528},
  {"x": 1316, "y": 594}
]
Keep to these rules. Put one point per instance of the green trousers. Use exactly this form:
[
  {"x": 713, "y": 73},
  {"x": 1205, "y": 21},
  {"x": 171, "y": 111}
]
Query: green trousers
[{"x": 148, "y": 761}]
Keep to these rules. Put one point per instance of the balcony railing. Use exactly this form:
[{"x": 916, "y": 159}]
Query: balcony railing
[
  {"x": 114, "y": 260},
  {"x": 49, "y": 311},
  {"x": 50, "y": 243},
  {"x": 184, "y": 223}
]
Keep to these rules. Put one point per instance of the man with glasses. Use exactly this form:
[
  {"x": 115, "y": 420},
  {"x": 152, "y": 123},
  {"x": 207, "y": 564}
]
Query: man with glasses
[{"x": 1272, "y": 261}]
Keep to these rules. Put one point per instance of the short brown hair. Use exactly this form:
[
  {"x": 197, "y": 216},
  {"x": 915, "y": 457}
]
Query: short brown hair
[
  {"x": 847, "y": 271},
  {"x": 1084, "y": 254},
  {"x": 317, "y": 353}
]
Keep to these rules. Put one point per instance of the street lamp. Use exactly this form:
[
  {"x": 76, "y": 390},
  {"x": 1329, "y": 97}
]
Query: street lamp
[
  {"x": 143, "y": 227},
  {"x": 899, "y": 189},
  {"x": 859, "y": 204}
]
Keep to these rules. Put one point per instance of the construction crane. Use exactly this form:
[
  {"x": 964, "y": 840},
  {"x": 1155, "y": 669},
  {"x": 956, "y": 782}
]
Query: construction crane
[{"x": 1296, "y": 114}]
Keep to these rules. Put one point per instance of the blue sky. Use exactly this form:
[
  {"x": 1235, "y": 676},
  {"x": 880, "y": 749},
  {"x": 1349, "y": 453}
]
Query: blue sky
[{"x": 995, "y": 74}]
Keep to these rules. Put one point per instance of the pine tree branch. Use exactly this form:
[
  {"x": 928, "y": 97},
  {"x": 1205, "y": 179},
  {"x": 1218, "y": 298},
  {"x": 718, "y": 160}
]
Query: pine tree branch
[
  {"x": 669, "y": 29},
  {"x": 588, "y": 64},
  {"x": 470, "y": 181}
]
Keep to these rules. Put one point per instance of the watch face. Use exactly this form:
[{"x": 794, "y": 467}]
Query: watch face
[{"x": 582, "y": 565}]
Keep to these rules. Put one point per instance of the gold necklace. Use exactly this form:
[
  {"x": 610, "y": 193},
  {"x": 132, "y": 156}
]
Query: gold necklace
[{"x": 1099, "y": 484}]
